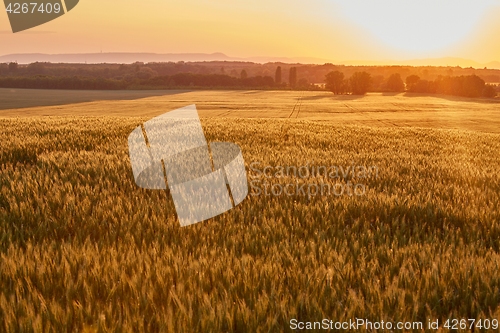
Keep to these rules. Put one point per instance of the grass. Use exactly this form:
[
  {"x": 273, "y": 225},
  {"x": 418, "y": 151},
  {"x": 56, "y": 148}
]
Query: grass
[{"x": 83, "y": 249}]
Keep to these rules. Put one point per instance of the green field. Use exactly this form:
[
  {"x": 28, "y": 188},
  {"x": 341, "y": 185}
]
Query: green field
[{"x": 83, "y": 249}]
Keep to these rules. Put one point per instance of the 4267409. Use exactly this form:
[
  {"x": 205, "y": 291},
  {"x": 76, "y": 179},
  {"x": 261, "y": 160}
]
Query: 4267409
[
  {"x": 33, "y": 8},
  {"x": 471, "y": 324}
]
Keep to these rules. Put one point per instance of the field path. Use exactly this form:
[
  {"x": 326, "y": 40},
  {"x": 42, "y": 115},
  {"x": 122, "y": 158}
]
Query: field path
[{"x": 296, "y": 107}]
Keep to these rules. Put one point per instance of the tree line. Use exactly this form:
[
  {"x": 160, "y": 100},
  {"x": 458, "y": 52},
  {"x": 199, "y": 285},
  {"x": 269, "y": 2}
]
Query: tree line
[
  {"x": 35, "y": 76},
  {"x": 145, "y": 76},
  {"x": 176, "y": 81},
  {"x": 312, "y": 73},
  {"x": 362, "y": 82},
  {"x": 466, "y": 86}
]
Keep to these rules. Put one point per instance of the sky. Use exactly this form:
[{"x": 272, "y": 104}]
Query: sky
[{"x": 337, "y": 30}]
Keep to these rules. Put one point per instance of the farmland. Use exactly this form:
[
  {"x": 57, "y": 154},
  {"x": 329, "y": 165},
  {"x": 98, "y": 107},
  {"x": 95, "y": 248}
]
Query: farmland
[
  {"x": 83, "y": 249},
  {"x": 374, "y": 109},
  {"x": 28, "y": 98}
]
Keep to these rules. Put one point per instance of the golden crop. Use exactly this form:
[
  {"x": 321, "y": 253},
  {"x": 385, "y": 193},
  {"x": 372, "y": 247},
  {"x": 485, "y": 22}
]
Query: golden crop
[{"x": 82, "y": 248}]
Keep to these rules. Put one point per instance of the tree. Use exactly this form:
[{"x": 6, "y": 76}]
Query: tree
[
  {"x": 13, "y": 66},
  {"x": 36, "y": 68},
  {"x": 424, "y": 86},
  {"x": 292, "y": 77},
  {"x": 411, "y": 81},
  {"x": 335, "y": 82},
  {"x": 277, "y": 76},
  {"x": 243, "y": 74},
  {"x": 489, "y": 91},
  {"x": 360, "y": 83},
  {"x": 395, "y": 83},
  {"x": 303, "y": 84},
  {"x": 233, "y": 73},
  {"x": 467, "y": 86},
  {"x": 472, "y": 86}
]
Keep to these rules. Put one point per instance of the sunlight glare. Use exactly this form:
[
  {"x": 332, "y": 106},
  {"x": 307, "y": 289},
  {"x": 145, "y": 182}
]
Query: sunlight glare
[{"x": 417, "y": 26}]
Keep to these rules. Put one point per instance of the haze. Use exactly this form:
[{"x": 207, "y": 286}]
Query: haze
[{"x": 338, "y": 30}]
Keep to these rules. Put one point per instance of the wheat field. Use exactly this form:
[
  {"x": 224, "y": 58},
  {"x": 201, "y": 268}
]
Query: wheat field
[
  {"x": 83, "y": 249},
  {"x": 373, "y": 109}
]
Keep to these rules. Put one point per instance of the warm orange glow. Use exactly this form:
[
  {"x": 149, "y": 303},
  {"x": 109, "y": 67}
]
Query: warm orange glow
[{"x": 331, "y": 30}]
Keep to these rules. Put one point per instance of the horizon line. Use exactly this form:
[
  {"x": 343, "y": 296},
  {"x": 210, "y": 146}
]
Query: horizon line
[{"x": 448, "y": 61}]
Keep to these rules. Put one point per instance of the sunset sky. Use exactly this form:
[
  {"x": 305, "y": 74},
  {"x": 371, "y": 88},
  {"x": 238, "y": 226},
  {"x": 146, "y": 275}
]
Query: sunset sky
[{"x": 335, "y": 30}]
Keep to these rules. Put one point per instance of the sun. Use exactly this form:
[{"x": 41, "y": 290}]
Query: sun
[{"x": 417, "y": 26}]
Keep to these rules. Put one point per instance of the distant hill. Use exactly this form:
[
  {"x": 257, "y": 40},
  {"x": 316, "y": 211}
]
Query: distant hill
[
  {"x": 128, "y": 58},
  {"x": 122, "y": 58}
]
